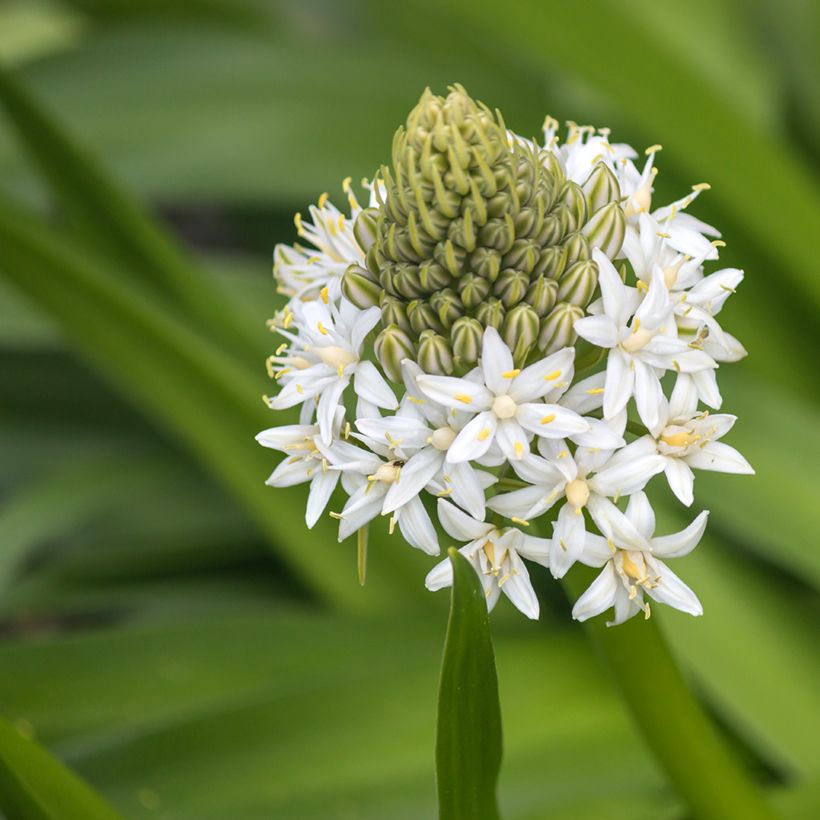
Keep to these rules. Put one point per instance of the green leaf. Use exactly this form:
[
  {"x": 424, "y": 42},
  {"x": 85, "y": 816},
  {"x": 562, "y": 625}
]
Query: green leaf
[
  {"x": 117, "y": 224},
  {"x": 191, "y": 387},
  {"x": 468, "y": 740},
  {"x": 35, "y": 786}
]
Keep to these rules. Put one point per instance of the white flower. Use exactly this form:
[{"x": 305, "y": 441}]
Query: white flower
[
  {"x": 305, "y": 462},
  {"x": 373, "y": 484},
  {"x": 689, "y": 439},
  {"x": 427, "y": 430},
  {"x": 303, "y": 272},
  {"x": 587, "y": 480},
  {"x": 505, "y": 400},
  {"x": 630, "y": 570},
  {"x": 323, "y": 358},
  {"x": 641, "y": 336},
  {"x": 496, "y": 555}
]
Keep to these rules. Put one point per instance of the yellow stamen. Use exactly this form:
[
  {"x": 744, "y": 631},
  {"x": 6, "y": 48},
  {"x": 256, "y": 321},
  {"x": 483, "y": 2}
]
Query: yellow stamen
[
  {"x": 511, "y": 374},
  {"x": 463, "y": 397},
  {"x": 483, "y": 435},
  {"x": 324, "y": 294},
  {"x": 551, "y": 377}
]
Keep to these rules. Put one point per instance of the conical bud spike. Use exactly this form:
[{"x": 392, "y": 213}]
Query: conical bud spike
[
  {"x": 469, "y": 230},
  {"x": 461, "y": 185},
  {"x": 601, "y": 188},
  {"x": 486, "y": 173},
  {"x": 478, "y": 202}
]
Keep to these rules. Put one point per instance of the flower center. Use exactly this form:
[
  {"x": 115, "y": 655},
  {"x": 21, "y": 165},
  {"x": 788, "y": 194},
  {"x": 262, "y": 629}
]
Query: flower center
[
  {"x": 388, "y": 473},
  {"x": 337, "y": 357},
  {"x": 504, "y": 407},
  {"x": 675, "y": 437},
  {"x": 639, "y": 338},
  {"x": 443, "y": 438},
  {"x": 577, "y": 493}
]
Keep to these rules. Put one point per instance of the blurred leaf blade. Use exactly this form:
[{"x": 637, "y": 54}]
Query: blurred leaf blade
[
  {"x": 186, "y": 383},
  {"x": 468, "y": 740},
  {"x": 35, "y": 786}
]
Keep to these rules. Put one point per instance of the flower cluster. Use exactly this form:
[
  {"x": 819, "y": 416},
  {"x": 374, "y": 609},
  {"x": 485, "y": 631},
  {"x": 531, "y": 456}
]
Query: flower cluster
[{"x": 465, "y": 350}]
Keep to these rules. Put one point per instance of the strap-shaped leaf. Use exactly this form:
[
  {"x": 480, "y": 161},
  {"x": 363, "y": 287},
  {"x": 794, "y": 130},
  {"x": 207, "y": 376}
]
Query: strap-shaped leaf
[
  {"x": 35, "y": 786},
  {"x": 116, "y": 223},
  {"x": 468, "y": 742},
  {"x": 188, "y": 385}
]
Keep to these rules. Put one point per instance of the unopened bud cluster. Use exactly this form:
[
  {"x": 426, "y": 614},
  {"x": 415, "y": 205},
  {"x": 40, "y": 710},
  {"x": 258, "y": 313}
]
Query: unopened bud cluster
[
  {"x": 428, "y": 339},
  {"x": 475, "y": 228}
]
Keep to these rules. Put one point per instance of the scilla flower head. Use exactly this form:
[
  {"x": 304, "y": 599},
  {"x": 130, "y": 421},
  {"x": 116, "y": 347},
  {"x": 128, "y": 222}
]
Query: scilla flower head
[{"x": 504, "y": 348}]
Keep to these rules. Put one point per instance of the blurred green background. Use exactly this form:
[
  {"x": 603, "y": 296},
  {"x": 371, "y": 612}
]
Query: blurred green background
[{"x": 169, "y": 627}]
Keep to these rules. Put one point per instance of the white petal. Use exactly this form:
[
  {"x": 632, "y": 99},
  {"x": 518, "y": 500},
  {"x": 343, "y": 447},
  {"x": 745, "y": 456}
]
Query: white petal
[
  {"x": 586, "y": 395},
  {"x": 655, "y": 305},
  {"x": 518, "y": 588},
  {"x": 328, "y": 405},
  {"x": 550, "y": 420},
  {"x": 474, "y": 440},
  {"x": 278, "y": 438},
  {"x": 620, "y": 381},
  {"x": 599, "y": 597},
  {"x": 512, "y": 439},
  {"x": 365, "y": 322},
  {"x": 681, "y": 479},
  {"x": 458, "y": 524},
  {"x": 719, "y": 457},
  {"x": 672, "y": 591},
  {"x": 372, "y": 386},
  {"x": 681, "y": 543},
  {"x": 417, "y": 528},
  {"x": 599, "y": 330},
  {"x": 440, "y": 576},
  {"x": 684, "y": 399},
  {"x": 460, "y": 394},
  {"x": 362, "y": 507},
  {"x": 540, "y": 378},
  {"x": 413, "y": 477},
  {"x": 402, "y": 431},
  {"x": 627, "y": 476},
  {"x": 614, "y": 524},
  {"x": 535, "y": 549},
  {"x": 519, "y": 503},
  {"x": 537, "y": 470},
  {"x": 567, "y": 541},
  {"x": 290, "y": 472},
  {"x": 596, "y": 551},
  {"x": 613, "y": 290},
  {"x": 321, "y": 488},
  {"x": 707, "y": 387},
  {"x": 467, "y": 489},
  {"x": 496, "y": 360},
  {"x": 639, "y": 511},
  {"x": 600, "y": 436},
  {"x": 649, "y": 398}
]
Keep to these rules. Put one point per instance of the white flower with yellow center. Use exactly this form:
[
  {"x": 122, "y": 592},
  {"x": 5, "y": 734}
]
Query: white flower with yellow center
[
  {"x": 641, "y": 336},
  {"x": 373, "y": 484},
  {"x": 506, "y": 402},
  {"x": 324, "y": 357},
  {"x": 496, "y": 554},
  {"x": 302, "y": 272},
  {"x": 689, "y": 440},
  {"x": 632, "y": 570},
  {"x": 427, "y": 429},
  {"x": 587, "y": 481}
]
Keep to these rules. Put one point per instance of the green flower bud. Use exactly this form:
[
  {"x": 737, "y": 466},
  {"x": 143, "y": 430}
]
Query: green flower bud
[
  {"x": 511, "y": 287},
  {"x": 573, "y": 210},
  {"x": 486, "y": 263},
  {"x": 542, "y": 295},
  {"x": 577, "y": 284},
  {"x": 606, "y": 229},
  {"x": 523, "y": 255},
  {"x": 364, "y": 228},
  {"x": 448, "y": 306},
  {"x": 557, "y": 330},
  {"x": 358, "y": 286},
  {"x": 601, "y": 188},
  {"x": 406, "y": 280},
  {"x": 394, "y": 312},
  {"x": 466, "y": 335},
  {"x": 520, "y": 332},
  {"x": 552, "y": 262},
  {"x": 575, "y": 247},
  {"x": 434, "y": 354},
  {"x": 391, "y": 346},
  {"x": 491, "y": 313},
  {"x": 433, "y": 277},
  {"x": 473, "y": 290},
  {"x": 422, "y": 317}
]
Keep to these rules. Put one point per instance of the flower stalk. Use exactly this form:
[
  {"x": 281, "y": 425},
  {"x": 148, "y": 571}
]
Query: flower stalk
[{"x": 697, "y": 760}]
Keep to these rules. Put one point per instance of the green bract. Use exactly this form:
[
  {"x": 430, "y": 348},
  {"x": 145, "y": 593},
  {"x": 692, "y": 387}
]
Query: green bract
[{"x": 476, "y": 227}]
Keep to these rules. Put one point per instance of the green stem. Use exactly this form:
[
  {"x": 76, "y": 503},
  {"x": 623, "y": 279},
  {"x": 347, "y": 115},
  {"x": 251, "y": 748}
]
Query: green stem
[{"x": 695, "y": 757}]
